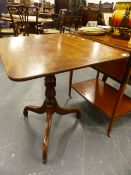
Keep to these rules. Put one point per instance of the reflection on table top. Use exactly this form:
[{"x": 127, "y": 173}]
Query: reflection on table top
[
  {"x": 32, "y": 19},
  {"x": 40, "y": 55},
  {"x": 110, "y": 40}
]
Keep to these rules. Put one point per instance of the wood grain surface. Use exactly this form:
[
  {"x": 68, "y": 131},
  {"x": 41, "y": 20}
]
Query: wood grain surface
[{"x": 31, "y": 57}]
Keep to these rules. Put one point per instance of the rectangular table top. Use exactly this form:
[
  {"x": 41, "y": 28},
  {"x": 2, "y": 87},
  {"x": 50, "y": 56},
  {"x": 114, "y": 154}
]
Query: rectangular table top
[{"x": 30, "y": 57}]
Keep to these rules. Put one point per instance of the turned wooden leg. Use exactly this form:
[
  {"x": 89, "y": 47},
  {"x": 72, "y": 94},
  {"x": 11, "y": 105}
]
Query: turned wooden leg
[
  {"x": 49, "y": 106},
  {"x": 70, "y": 82}
]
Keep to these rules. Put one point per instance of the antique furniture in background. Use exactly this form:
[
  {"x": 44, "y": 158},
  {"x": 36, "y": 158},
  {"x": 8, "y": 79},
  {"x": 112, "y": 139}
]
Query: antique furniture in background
[
  {"x": 71, "y": 22},
  {"x": 121, "y": 22},
  {"x": 47, "y": 9},
  {"x": 27, "y": 2},
  {"x": 67, "y": 21},
  {"x": 70, "y": 5},
  {"x": 57, "y": 24},
  {"x": 59, "y": 4},
  {"x": 9, "y": 31},
  {"x": 105, "y": 12},
  {"x": 24, "y": 12},
  {"x": 90, "y": 13},
  {"x": 12, "y": 29},
  {"x": 106, "y": 7},
  {"x": 75, "y": 5},
  {"x": 97, "y": 12},
  {"x": 28, "y": 24}
]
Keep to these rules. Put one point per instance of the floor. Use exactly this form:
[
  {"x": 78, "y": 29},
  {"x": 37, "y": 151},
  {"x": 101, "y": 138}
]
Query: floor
[{"x": 76, "y": 147}]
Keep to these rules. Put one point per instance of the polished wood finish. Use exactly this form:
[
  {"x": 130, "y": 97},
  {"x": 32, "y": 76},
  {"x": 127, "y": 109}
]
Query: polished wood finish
[
  {"x": 31, "y": 57},
  {"x": 117, "y": 67},
  {"x": 118, "y": 70},
  {"x": 103, "y": 97},
  {"x": 113, "y": 69},
  {"x": 116, "y": 103},
  {"x": 51, "y": 54},
  {"x": 110, "y": 40}
]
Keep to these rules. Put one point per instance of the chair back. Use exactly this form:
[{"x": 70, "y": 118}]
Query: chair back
[
  {"x": 71, "y": 21},
  {"x": 60, "y": 19},
  {"x": 23, "y": 13},
  {"x": 12, "y": 10}
]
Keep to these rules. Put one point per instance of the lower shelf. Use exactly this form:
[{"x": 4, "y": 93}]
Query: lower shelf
[{"x": 103, "y": 96}]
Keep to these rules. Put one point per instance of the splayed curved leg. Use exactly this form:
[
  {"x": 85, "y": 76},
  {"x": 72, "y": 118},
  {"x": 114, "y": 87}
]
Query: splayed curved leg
[
  {"x": 63, "y": 111},
  {"x": 38, "y": 110},
  {"x": 47, "y": 133}
]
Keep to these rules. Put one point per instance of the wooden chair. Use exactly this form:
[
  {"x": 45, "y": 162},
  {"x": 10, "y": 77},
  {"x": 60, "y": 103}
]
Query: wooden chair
[
  {"x": 67, "y": 23},
  {"x": 114, "y": 103},
  {"x": 71, "y": 23},
  {"x": 57, "y": 24},
  {"x": 12, "y": 29},
  {"x": 24, "y": 12},
  {"x": 51, "y": 28},
  {"x": 9, "y": 31}
]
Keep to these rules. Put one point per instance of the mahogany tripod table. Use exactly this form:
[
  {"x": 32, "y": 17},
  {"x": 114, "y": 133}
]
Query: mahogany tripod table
[{"x": 30, "y": 57}]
